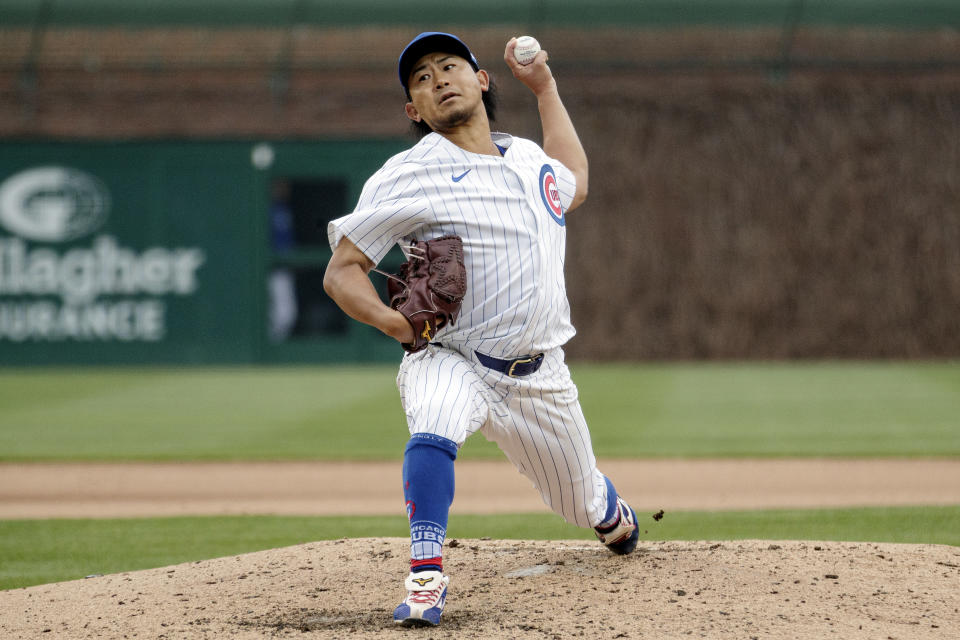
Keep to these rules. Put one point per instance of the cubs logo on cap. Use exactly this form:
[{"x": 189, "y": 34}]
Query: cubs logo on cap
[
  {"x": 550, "y": 193},
  {"x": 430, "y": 42}
]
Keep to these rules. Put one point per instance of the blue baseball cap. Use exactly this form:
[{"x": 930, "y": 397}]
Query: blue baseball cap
[{"x": 429, "y": 42}]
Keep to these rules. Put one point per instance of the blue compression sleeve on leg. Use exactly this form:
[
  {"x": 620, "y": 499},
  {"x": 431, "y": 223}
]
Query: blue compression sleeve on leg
[{"x": 428, "y": 487}]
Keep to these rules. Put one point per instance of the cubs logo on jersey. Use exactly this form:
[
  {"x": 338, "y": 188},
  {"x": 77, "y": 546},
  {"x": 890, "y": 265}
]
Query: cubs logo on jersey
[{"x": 550, "y": 194}]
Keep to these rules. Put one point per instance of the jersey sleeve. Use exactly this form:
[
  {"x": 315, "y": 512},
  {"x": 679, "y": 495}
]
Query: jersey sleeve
[
  {"x": 566, "y": 183},
  {"x": 390, "y": 207}
]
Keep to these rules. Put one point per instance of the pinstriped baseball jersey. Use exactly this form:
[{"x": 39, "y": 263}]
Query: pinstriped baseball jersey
[{"x": 509, "y": 211}]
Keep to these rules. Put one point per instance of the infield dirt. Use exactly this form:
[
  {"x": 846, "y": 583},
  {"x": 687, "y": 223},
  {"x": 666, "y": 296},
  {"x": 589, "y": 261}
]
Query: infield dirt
[
  {"x": 118, "y": 490},
  {"x": 517, "y": 589}
]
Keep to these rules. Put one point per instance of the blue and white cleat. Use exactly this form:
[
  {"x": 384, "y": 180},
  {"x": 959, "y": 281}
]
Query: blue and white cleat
[
  {"x": 622, "y": 537},
  {"x": 426, "y": 594}
]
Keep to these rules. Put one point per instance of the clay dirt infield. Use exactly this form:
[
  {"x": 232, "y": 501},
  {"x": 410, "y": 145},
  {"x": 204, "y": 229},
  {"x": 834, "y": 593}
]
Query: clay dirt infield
[
  {"x": 499, "y": 588},
  {"x": 483, "y": 487},
  {"x": 518, "y": 589}
]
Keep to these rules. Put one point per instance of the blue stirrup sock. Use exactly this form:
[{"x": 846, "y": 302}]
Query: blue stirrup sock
[
  {"x": 612, "y": 516},
  {"x": 428, "y": 487}
]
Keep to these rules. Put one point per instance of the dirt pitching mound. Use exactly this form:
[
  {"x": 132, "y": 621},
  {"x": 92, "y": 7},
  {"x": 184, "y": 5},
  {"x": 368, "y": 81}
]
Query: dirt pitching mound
[{"x": 517, "y": 589}]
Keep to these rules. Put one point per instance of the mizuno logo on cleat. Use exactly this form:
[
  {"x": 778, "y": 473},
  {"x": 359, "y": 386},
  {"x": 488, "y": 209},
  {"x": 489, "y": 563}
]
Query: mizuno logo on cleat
[{"x": 422, "y": 581}]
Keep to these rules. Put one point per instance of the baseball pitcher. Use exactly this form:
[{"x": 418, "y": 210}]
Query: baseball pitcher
[{"x": 480, "y": 306}]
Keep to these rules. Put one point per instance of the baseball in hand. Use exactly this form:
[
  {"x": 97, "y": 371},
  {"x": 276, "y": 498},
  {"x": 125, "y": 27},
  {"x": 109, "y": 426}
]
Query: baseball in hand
[{"x": 526, "y": 50}]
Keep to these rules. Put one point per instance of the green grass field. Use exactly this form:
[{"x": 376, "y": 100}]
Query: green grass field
[
  {"x": 331, "y": 413},
  {"x": 817, "y": 409}
]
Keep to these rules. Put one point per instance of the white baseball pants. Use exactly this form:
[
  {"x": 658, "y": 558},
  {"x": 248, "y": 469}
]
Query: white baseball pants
[{"x": 536, "y": 421}]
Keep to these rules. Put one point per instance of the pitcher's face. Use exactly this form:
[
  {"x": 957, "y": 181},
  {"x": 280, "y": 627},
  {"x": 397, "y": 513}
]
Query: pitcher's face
[{"x": 445, "y": 91}]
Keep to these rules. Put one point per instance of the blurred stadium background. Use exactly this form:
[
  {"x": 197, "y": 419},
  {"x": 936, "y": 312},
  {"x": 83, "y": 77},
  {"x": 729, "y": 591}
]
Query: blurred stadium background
[{"x": 771, "y": 179}]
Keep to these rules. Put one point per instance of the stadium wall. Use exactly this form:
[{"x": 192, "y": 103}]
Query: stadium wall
[{"x": 755, "y": 192}]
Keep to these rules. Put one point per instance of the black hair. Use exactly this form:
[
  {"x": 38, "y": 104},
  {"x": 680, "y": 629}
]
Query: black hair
[{"x": 421, "y": 128}]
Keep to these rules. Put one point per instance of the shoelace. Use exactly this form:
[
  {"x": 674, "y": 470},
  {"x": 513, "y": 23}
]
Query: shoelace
[{"x": 423, "y": 597}]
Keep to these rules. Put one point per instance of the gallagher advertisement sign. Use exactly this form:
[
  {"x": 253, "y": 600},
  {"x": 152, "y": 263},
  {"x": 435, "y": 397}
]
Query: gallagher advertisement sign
[{"x": 65, "y": 278}]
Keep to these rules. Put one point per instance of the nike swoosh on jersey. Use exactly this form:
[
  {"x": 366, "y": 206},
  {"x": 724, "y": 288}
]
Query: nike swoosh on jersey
[{"x": 461, "y": 176}]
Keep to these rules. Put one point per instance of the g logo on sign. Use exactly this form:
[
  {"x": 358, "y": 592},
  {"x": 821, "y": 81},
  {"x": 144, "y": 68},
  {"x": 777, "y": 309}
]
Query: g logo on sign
[
  {"x": 53, "y": 204},
  {"x": 550, "y": 194}
]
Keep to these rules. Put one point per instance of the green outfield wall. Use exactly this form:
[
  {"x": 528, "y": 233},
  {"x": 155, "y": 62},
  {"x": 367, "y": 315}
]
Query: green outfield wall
[{"x": 162, "y": 252}]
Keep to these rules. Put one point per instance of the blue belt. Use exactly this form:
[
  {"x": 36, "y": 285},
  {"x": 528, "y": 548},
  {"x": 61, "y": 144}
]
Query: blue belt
[{"x": 516, "y": 368}]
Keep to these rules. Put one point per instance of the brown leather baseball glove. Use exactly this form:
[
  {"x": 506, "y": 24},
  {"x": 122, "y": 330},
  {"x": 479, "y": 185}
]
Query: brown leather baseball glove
[{"x": 429, "y": 288}]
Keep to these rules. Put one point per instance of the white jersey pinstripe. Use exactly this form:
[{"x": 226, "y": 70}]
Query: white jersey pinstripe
[{"x": 509, "y": 211}]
